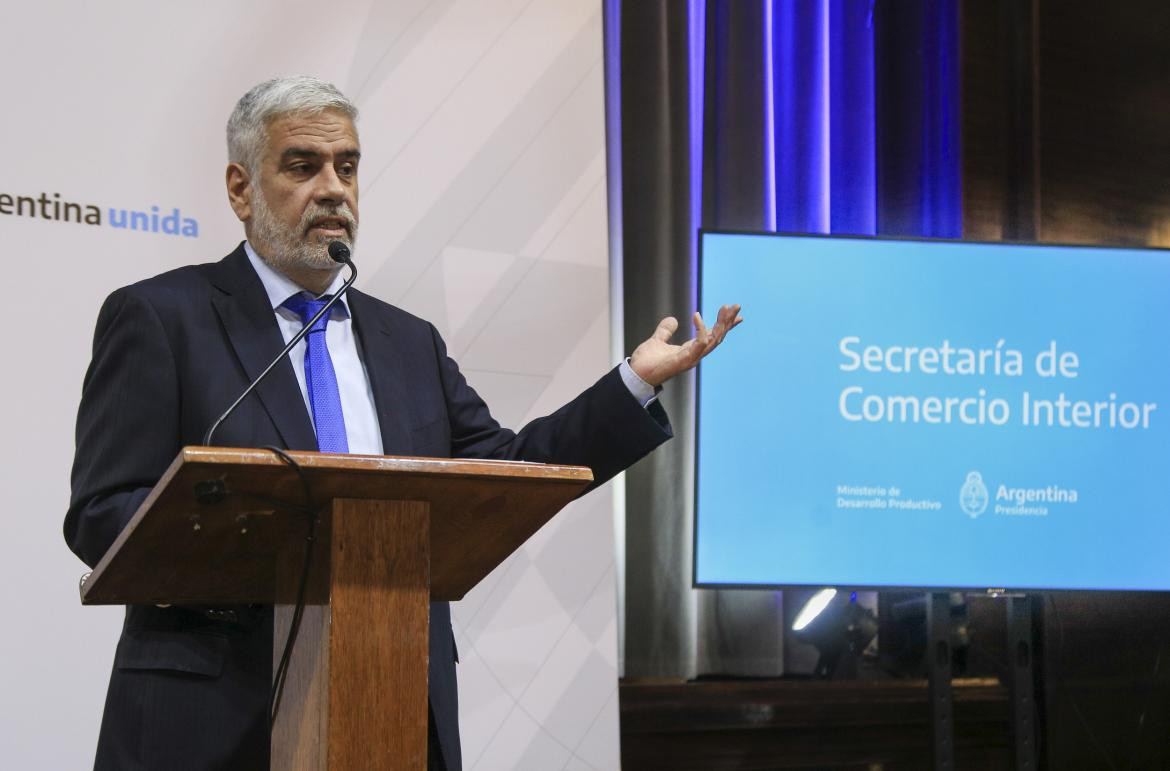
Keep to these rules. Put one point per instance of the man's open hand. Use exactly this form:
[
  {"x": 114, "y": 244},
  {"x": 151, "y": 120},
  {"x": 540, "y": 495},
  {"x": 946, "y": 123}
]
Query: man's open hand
[{"x": 657, "y": 361}]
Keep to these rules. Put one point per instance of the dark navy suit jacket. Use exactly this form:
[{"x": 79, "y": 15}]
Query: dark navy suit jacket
[{"x": 169, "y": 354}]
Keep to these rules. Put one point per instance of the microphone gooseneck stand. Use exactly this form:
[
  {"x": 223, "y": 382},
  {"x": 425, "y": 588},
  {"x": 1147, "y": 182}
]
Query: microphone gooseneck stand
[{"x": 340, "y": 254}]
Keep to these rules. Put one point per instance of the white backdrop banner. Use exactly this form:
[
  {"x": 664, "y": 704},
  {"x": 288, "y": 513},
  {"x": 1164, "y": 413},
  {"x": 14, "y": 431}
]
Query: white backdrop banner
[{"x": 483, "y": 210}]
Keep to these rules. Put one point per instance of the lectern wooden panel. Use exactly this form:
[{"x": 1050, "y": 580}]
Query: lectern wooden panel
[
  {"x": 393, "y": 534},
  {"x": 481, "y": 511},
  {"x": 363, "y": 649}
]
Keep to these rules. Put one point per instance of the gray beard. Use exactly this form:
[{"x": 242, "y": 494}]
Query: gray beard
[{"x": 286, "y": 248}]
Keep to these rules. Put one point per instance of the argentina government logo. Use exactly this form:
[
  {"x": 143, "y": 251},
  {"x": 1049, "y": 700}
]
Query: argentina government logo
[{"x": 973, "y": 495}]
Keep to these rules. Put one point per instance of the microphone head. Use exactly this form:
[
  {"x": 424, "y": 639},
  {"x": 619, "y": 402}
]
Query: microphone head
[{"x": 339, "y": 252}]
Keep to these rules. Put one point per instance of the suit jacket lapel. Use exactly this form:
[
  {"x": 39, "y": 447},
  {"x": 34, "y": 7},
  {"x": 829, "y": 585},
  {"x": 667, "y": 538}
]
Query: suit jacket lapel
[
  {"x": 247, "y": 317},
  {"x": 382, "y": 359}
]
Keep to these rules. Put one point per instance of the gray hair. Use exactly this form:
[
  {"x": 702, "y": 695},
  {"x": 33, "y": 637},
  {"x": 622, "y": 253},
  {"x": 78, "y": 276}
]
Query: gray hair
[{"x": 247, "y": 128}]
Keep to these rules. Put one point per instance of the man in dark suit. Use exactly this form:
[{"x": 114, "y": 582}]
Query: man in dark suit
[{"x": 190, "y": 686}]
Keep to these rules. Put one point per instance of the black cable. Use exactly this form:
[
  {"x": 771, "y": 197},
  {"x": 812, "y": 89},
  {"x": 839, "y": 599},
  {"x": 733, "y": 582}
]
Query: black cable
[{"x": 286, "y": 655}]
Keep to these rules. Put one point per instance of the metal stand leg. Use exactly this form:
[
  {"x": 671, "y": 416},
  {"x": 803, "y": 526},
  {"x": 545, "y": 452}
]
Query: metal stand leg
[
  {"x": 938, "y": 665},
  {"x": 1021, "y": 683}
]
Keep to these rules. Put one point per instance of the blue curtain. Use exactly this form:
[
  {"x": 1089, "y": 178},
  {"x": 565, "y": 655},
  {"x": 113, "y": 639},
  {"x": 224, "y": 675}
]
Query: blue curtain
[
  {"x": 830, "y": 116},
  {"x": 823, "y": 116}
]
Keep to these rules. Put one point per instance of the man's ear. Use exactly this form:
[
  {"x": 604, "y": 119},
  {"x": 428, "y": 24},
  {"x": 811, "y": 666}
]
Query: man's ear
[{"x": 239, "y": 190}]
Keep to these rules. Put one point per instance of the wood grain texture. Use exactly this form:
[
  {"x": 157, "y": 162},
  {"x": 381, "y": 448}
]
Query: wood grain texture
[
  {"x": 228, "y": 526},
  {"x": 300, "y": 734},
  {"x": 378, "y": 652},
  {"x": 356, "y": 693},
  {"x": 481, "y": 512}
]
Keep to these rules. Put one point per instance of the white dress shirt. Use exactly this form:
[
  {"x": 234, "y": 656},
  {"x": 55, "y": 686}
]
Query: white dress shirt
[{"x": 362, "y": 430}]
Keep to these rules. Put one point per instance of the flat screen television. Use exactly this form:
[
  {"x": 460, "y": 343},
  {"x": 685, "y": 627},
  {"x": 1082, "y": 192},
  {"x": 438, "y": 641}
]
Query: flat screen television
[{"x": 934, "y": 414}]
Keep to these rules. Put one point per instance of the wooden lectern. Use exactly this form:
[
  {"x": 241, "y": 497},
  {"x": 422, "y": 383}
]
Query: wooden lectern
[{"x": 394, "y": 534}]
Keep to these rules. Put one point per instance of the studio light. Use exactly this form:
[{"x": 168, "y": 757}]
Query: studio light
[
  {"x": 817, "y": 603},
  {"x": 839, "y": 628}
]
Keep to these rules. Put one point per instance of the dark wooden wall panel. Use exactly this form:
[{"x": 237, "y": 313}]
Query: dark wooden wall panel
[
  {"x": 1100, "y": 75},
  {"x": 1104, "y": 106}
]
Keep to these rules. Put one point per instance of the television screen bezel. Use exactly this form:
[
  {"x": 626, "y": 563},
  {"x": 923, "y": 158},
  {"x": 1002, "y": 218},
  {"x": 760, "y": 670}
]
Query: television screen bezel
[{"x": 973, "y": 589}]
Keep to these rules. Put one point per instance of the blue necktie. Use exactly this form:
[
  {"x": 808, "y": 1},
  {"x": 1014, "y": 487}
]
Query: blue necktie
[{"x": 320, "y": 378}]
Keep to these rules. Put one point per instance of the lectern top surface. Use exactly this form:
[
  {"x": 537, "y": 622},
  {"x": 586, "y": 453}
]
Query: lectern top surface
[{"x": 211, "y": 529}]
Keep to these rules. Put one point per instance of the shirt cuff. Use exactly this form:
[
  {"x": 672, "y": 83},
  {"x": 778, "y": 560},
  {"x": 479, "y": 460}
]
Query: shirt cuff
[{"x": 645, "y": 393}]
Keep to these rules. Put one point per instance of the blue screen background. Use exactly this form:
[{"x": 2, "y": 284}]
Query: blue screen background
[{"x": 773, "y": 446}]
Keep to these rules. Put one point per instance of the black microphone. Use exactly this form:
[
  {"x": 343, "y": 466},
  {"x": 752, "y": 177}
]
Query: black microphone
[{"x": 339, "y": 252}]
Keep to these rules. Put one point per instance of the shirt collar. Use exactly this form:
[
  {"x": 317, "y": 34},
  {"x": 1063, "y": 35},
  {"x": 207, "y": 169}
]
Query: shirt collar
[{"x": 280, "y": 287}]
